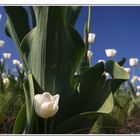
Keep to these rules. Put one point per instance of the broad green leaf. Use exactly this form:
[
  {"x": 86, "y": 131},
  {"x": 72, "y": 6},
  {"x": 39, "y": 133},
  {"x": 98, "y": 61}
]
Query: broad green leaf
[
  {"x": 55, "y": 55},
  {"x": 108, "y": 105},
  {"x": 116, "y": 71},
  {"x": 20, "y": 122},
  {"x": 80, "y": 123},
  {"x": 14, "y": 31},
  {"x": 119, "y": 75},
  {"x": 19, "y": 19},
  {"x": 29, "y": 96},
  {"x": 72, "y": 14},
  {"x": 121, "y": 62}
]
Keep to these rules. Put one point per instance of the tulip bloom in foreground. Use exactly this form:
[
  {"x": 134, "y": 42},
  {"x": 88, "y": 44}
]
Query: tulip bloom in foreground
[
  {"x": 46, "y": 105},
  {"x": 110, "y": 53}
]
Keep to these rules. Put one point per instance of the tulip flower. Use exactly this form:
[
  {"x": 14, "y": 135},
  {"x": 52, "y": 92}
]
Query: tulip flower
[
  {"x": 46, "y": 105},
  {"x": 89, "y": 54},
  {"x": 107, "y": 75},
  {"x": 133, "y": 62},
  {"x": 1, "y": 61},
  {"x": 4, "y": 75},
  {"x": 138, "y": 94},
  {"x": 110, "y": 53},
  {"x": 134, "y": 80},
  {"x": 91, "y": 38},
  {"x": 6, "y": 81},
  {"x": 1, "y": 43},
  {"x": 16, "y": 62},
  {"x": 127, "y": 69},
  {"x": 138, "y": 78},
  {"x": 6, "y": 55},
  {"x": 138, "y": 87},
  {"x": 0, "y": 16},
  {"x": 21, "y": 65}
]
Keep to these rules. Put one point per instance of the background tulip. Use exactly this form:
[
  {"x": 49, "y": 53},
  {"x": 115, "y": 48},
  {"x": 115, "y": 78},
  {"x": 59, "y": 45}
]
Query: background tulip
[
  {"x": 133, "y": 62},
  {"x": 91, "y": 38},
  {"x": 1, "y": 43},
  {"x": 6, "y": 55},
  {"x": 110, "y": 53}
]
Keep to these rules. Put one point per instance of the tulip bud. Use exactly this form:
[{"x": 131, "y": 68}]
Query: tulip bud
[
  {"x": 127, "y": 69},
  {"x": 21, "y": 65},
  {"x": 6, "y": 55},
  {"x": 1, "y": 43},
  {"x": 6, "y": 81},
  {"x": 110, "y": 53},
  {"x": 89, "y": 54},
  {"x": 108, "y": 76},
  {"x": 3, "y": 75},
  {"x": 138, "y": 94},
  {"x": 138, "y": 87},
  {"x": 133, "y": 62},
  {"x": 91, "y": 38},
  {"x": 46, "y": 105},
  {"x": 1, "y": 61},
  {"x": 16, "y": 62}
]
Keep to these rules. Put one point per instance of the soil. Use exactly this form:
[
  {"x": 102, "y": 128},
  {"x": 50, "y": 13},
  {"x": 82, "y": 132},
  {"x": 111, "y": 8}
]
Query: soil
[{"x": 132, "y": 125}]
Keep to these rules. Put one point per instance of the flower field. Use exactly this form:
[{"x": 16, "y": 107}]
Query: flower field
[{"x": 54, "y": 87}]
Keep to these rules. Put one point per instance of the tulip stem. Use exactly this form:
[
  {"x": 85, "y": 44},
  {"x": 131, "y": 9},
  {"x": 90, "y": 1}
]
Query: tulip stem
[
  {"x": 133, "y": 71},
  {"x": 45, "y": 126}
]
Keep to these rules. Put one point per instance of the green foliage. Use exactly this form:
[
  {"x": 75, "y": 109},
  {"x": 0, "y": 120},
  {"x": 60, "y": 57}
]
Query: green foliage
[{"x": 51, "y": 54}]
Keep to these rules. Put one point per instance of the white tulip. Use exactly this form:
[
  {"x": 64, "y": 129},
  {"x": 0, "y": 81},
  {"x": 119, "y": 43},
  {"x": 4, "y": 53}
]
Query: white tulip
[
  {"x": 138, "y": 87},
  {"x": 138, "y": 94},
  {"x": 110, "y": 53},
  {"x": 101, "y": 61},
  {"x": 16, "y": 62},
  {"x": 16, "y": 78},
  {"x": 133, "y": 62},
  {"x": 6, "y": 55},
  {"x": 46, "y": 105},
  {"x": 89, "y": 54},
  {"x": 6, "y": 81},
  {"x": 107, "y": 75},
  {"x": 91, "y": 38},
  {"x": 134, "y": 79},
  {"x": 1, "y": 43},
  {"x": 21, "y": 65},
  {"x": 1, "y": 60},
  {"x": 127, "y": 69},
  {"x": 138, "y": 78},
  {"x": 4, "y": 75}
]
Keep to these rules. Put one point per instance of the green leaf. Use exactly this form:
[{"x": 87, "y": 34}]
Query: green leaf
[
  {"x": 72, "y": 14},
  {"x": 20, "y": 122},
  {"x": 121, "y": 62},
  {"x": 116, "y": 71},
  {"x": 16, "y": 31},
  {"x": 19, "y": 18},
  {"x": 29, "y": 96},
  {"x": 119, "y": 75},
  {"x": 55, "y": 55},
  {"x": 80, "y": 123}
]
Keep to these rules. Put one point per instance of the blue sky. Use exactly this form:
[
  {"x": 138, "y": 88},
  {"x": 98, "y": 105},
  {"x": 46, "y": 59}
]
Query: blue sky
[{"x": 115, "y": 27}]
